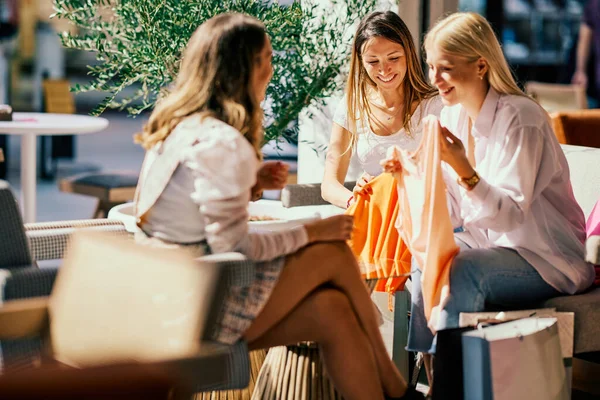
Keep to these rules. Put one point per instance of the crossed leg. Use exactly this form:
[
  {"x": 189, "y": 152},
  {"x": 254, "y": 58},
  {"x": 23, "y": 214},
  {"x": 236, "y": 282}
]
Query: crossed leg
[
  {"x": 316, "y": 266},
  {"x": 326, "y": 317}
]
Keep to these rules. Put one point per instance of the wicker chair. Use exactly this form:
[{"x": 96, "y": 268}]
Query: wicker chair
[{"x": 224, "y": 367}]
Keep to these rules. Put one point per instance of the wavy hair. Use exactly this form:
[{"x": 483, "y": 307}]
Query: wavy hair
[
  {"x": 387, "y": 25},
  {"x": 214, "y": 80}
]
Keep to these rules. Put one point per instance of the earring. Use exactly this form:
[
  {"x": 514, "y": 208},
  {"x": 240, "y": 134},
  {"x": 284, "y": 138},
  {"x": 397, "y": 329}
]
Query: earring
[{"x": 481, "y": 77}]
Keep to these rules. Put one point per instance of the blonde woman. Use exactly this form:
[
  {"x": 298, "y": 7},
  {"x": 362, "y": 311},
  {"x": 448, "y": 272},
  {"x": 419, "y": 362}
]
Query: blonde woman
[
  {"x": 508, "y": 184},
  {"x": 387, "y": 95},
  {"x": 203, "y": 145}
]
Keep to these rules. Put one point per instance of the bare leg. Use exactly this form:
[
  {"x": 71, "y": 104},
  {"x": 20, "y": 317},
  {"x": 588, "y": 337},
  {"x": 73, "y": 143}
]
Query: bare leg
[
  {"x": 311, "y": 268},
  {"x": 327, "y": 317},
  {"x": 428, "y": 362}
]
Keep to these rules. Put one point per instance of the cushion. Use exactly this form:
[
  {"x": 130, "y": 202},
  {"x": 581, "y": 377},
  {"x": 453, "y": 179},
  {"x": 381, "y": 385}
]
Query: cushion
[
  {"x": 586, "y": 307},
  {"x": 585, "y": 175},
  {"x": 107, "y": 180}
]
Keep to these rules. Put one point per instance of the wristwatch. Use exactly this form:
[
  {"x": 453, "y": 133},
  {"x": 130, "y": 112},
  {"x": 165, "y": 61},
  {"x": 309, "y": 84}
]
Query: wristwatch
[{"x": 469, "y": 183}]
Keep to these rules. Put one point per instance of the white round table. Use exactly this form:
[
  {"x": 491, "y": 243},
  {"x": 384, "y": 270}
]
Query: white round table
[{"x": 29, "y": 126}]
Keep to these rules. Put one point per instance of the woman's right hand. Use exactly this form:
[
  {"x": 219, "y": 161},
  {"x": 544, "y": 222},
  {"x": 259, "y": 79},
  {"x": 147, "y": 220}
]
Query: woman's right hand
[
  {"x": 361, "y": 186},
  {"x": 338, "y": 227}
]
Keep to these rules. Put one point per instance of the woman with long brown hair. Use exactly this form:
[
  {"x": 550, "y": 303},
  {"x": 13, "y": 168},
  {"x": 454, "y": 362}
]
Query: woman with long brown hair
[
  {"x": 387, "y": 96},
  {"x": 203, "y": 150}
]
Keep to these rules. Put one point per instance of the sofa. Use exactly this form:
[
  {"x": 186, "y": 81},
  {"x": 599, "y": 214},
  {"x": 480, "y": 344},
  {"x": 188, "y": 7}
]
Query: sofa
[{"x": 584, "y": 163}]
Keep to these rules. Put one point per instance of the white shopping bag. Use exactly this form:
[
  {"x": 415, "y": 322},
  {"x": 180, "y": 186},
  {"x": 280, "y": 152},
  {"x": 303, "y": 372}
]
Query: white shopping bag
[
  {"x": 566, "y": 326},
  {"x": 515, "y": 360}
]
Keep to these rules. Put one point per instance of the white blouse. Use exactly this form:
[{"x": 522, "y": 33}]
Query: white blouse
[
  {"x": 207, "y": 196},
  {"x": 524, "y": 200},
  {"x": 371, "y": 148}
]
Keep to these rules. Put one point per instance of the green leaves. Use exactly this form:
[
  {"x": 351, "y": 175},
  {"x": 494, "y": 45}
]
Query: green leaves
[{"x": 139, "y": 42}]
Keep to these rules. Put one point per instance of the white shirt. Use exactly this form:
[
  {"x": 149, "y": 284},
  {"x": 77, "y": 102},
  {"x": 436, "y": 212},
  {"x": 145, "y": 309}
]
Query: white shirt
[
  {"x": 207, "y": 196},
  {"x": 524, "y": 200},
  {"x": 371, "y": 148}
]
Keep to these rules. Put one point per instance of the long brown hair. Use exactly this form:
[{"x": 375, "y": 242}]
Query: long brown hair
[
  {"x": 214, "y": 80},
  {"x": 390, "y": 26}
]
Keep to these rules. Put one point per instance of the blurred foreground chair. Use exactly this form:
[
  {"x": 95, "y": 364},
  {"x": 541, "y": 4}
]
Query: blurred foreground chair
[
  {"x": 579, "y": 128},
  {"x": 104, "y": 312},
  {"x": 557, "y": 97},
  {"x": 20, "y": 278}
]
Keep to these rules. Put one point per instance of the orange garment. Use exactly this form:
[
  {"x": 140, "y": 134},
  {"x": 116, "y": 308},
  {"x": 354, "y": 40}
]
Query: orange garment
[
  {"x": 424, "y": 221},
  {"x": 375, "y": 240}
]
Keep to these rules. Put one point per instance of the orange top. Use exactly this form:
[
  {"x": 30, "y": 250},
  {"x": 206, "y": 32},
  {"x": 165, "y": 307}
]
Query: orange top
[{"x": 380, "y": 251}]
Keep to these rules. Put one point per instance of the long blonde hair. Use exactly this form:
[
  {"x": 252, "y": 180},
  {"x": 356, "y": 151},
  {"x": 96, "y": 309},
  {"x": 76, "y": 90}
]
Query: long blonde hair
[
  {"x": 415, "y": 88},
  {"x": 214, "y": 80},
  {"x": 469, "y": 35}
]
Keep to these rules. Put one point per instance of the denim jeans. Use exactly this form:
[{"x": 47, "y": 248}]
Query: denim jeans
[{"x": 497, "y": 278}]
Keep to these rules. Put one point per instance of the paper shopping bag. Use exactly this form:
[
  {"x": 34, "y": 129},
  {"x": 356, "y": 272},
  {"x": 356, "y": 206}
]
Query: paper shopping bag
[
  {"x": 566, "y": 323},
  {"x": 515, "y": 360}
]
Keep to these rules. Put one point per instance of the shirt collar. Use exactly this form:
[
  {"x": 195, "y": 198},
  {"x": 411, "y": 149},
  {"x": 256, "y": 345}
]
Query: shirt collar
[{"x": 485, "y": 119}]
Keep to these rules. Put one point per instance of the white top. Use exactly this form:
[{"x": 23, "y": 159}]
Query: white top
[
  {"x": 524, "y": 200},
  {"x": 52, "y": 124},
  {"x": 371, "y": 148},
  {"x": 208, "y": 194}
]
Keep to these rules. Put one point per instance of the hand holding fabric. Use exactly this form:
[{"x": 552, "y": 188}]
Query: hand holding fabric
[
  {"x": 454, "y": 154},
  {"x": 391, "y": 164}
]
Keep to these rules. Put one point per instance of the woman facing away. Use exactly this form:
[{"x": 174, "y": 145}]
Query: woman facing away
[
  {"x": 508, "y": 184},
  {"x": 387, "y": 95},
  {"x": 203, "y": 150}
]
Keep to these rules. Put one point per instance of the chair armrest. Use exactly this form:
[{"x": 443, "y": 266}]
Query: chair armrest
[
  {"x": 238, "y": 270},
  {"x": 48, "y": 240},
  {"x": 23, "y": 318},
  {"x": 308, "y": 194},
  {"x": 592, "y": 249}
]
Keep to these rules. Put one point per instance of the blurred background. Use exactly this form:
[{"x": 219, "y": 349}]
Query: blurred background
[{"x": 539, "y": 38}]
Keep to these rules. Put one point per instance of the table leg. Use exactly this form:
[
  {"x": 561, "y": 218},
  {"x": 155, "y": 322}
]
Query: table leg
[{"x": 28, "y": 176}]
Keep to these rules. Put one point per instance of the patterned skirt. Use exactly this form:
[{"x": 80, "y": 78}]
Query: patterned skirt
[{"x": 244, "y": 303}]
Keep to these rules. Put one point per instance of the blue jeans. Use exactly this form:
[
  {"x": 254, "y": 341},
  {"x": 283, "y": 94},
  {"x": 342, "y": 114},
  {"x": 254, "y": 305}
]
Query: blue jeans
[{"x": 480, "y": 279}]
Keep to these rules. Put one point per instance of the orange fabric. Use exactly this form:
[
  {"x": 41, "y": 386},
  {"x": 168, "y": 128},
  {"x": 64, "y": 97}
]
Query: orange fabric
[
  {"x": 424, "y": 220},
  {"x": 375, "y": 240}
]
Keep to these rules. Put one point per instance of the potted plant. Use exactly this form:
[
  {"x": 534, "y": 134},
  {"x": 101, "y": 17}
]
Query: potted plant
[{"x": 138, "y": 43}]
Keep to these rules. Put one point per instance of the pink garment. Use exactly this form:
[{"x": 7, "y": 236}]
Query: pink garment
[
  {"x": 593, "y": 221},
  {"x": 424, "y": 220}
]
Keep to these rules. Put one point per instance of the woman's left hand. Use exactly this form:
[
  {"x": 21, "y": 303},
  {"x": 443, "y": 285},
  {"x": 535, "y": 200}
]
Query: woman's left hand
[
  {"x": 454, "y": 154},
  {"x": 272, "y": 175}
]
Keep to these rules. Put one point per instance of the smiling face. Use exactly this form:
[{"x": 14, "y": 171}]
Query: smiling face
[
  {"x": 384, "y": 62},
  {"x": 456, "y": 78},
  {"x": 263, "y": 70}
]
